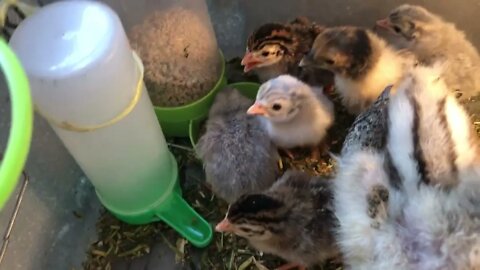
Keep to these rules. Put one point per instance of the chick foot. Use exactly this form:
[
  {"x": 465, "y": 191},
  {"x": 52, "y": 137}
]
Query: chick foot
[
  {"x": 289, "y": 266},
  {"x": 329, "y": 89},
  {"x": 317, "y": 151},
  {"x": 288, "y": 152}
]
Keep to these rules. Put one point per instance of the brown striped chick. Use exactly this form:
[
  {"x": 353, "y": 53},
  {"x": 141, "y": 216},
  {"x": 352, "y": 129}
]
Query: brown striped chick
[
  {"x": 295, "y": 114},
  {"x": 362, "y": 62},
  {"x": 274, "y": 49},
  {"x": 292, "y": 219},
  {"x": 414, "y": 205},
  {"x": 433, "y": 39}
]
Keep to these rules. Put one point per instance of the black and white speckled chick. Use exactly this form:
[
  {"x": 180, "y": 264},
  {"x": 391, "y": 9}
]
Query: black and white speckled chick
[
  {"x": 293, "y": 220},
  {"x": 432, "y": 39},
  {"x": 415, "y": 203},
  {"x": 274, "y": 49},
  {"x": 362, "y": 62},
  {"x": 237, "y": 153}
]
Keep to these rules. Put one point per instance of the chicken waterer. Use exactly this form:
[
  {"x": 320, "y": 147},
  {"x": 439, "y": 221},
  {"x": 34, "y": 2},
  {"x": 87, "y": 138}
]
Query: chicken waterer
[{"x": 88, "y": 84}]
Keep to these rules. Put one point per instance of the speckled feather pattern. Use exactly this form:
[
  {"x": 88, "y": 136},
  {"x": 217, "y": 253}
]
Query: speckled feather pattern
[
  {"x": 311, "y": 217},
  {"x": 296, "y": 39},
  {"x": 303, "y": 232},
  {"x": 236, "y": 151},
  {"x": 296, "y": 36},
  {"x": 368, "y": 131},
  {"x": 429, "y": 217}
]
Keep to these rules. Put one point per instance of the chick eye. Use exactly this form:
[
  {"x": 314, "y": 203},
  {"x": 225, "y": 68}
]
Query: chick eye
[
  {"x": 276, "y": 107},
  {"x": 329, "y": 61},
  {"x": 265, "y": 54},
  {"x": 397, "y": 29}
]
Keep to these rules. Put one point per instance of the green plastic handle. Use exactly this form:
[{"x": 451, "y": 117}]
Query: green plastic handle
[
  {"x": 20, "y": 134},
  {"x": 176, "y": 212}
]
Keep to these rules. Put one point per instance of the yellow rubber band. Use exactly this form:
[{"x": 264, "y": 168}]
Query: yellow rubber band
[{"x": 133, "y": 102}]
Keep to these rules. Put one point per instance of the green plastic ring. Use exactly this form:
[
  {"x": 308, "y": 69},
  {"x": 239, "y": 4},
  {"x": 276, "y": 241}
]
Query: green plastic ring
[{"x": 20, "y": 135}]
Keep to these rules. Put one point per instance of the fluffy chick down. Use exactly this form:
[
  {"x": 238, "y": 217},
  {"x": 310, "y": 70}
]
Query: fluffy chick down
[{"x": 236, "y": 151}]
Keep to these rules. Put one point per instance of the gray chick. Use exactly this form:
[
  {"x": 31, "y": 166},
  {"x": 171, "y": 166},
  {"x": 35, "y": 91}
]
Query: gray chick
[
  {"x": 237, "y": 153},
  {"x": 415, "y": 203},
  {"x": 293, "y": 219},
  {"x": 432, "y": 39}
]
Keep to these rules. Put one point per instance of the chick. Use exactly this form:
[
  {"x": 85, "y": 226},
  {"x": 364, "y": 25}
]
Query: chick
[
  {"x": 438, "y": 131},
  {"x": 237, "y": 153},
  {"x": 294, "y": 114},
  {"x": 415, "y": 204},
  {"x": 433, "y": 39},
  {"x": 368, "y": 129},
  {"x": 293, "y": 220},
  {"x": 362, "y": 62},
  {"x": 274, "y": 49}
]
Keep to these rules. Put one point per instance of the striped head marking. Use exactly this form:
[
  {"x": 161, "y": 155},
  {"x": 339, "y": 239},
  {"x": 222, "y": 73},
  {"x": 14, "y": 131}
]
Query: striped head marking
[
  {"x": 254, "y": 216},
  {"x": 267, "y": 46}
]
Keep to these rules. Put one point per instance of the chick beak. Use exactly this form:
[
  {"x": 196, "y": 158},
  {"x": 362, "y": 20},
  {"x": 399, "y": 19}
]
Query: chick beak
[
  {"x": 249, "y": 61},
  {"x": 257, "y": 109},
  {"x": 384, "y": 23},
  {"x": 224, "y": 226}
]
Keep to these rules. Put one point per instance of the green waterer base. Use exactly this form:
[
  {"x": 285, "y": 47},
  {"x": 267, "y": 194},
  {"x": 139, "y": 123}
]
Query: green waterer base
[{"x": 173, "y": 210}]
